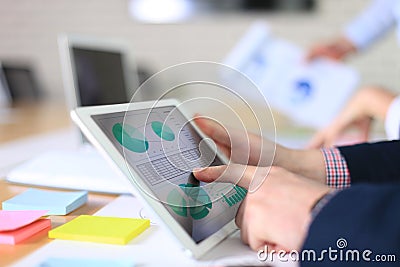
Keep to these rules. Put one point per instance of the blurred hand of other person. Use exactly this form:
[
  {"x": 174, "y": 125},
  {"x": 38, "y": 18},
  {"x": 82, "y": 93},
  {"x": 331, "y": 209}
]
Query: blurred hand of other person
[
  {"x": 367, "y": 104},
  {"x": 335, "y": 50}
]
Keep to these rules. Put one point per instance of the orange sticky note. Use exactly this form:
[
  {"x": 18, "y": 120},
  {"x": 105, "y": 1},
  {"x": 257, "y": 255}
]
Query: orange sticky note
[{"x": 16, "y": 236}]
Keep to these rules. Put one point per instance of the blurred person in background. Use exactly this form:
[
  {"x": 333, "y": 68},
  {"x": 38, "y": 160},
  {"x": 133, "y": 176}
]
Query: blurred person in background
[{"x": 371, "y": 102}]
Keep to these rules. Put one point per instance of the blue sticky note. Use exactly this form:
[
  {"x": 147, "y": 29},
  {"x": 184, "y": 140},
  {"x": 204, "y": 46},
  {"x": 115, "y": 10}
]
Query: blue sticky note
[
  {"x": 98, "y": 262},
  {"x": 57, "y": 203}
]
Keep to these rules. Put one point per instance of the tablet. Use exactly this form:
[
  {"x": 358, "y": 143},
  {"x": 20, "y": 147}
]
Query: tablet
[{"x": 156, "y": 146}]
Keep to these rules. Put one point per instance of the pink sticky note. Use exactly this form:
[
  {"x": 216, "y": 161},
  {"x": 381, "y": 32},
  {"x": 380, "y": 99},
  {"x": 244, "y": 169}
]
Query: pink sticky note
[
  {"x": 13, "y": 219},
  {"x": 16, "y": 236}
]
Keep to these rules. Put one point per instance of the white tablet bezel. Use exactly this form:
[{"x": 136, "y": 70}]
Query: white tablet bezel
[{"x": 83, "y": 118}]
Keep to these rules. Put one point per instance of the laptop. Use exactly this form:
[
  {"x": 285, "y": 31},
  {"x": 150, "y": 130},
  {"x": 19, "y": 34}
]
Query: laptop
[
  {"x": 5, "y": 98},
  {"x": 96, "y": 71},
  {"x": 18, "y": 82}
]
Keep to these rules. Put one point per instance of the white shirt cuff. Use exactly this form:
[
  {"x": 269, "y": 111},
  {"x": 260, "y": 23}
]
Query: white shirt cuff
[
  {"x": 357, "y": 36},
  {"x": 372, "y": 23},
  {"x": 392, "y": 120}
]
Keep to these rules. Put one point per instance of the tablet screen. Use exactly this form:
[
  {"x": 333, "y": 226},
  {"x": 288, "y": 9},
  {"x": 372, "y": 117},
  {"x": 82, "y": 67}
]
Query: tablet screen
[{"x": 162, "y": 147}]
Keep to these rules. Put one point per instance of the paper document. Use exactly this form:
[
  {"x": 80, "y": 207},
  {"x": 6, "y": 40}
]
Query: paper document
[
  {"x": 82, "y": 168},
  {"x": 310, "y": 93}
]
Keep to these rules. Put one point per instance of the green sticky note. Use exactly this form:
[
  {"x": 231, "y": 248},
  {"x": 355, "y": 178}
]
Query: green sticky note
[{"x": 111, "y": 230}]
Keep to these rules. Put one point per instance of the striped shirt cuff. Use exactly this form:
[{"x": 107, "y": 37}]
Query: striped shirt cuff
[{"x": 337, "y": 173}]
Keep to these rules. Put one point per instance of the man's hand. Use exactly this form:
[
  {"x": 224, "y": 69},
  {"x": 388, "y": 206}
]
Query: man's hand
[
  {"x": 367, "y": 104},
  {"x": 336, "y": 50},
  {"x": 247, "y": 148},
  {"x": 278, "y": 212},
  {"x": 238, "y": 145}
]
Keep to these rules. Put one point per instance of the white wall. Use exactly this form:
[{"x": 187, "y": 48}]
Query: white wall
[{"x": 28, "y": 30}]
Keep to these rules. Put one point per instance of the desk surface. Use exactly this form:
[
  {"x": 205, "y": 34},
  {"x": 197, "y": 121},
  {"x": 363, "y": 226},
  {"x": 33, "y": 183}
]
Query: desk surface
[{"x": 27, "y": 119}]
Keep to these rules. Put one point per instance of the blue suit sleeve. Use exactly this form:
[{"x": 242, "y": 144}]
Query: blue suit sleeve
[
  {"x": 363, "y": 217},
  {"x": 373, "y": 162}
]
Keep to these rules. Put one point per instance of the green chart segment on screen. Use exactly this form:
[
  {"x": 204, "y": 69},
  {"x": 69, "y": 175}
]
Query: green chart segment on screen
[
  {"x": 236, "y": 197},
  {"x": 197, "y": 202},
  {"x": 163, "y": 131},
  {"x": 132, "y": 139},
  {"x": 194, "y": 201}
]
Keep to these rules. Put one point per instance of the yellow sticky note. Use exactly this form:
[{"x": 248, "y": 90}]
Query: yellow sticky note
[{"x": 100, "y": 229}]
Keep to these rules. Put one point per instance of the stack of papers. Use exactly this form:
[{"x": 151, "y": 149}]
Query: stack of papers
[
  {"x": 56, "y": 203},
  {"x": 16, "y": 226}
]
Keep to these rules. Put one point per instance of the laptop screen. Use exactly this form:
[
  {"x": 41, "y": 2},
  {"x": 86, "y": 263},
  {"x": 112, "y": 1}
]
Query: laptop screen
[
  {"x": 21, "y": 83},
  {"x": 100, "y": 77}
]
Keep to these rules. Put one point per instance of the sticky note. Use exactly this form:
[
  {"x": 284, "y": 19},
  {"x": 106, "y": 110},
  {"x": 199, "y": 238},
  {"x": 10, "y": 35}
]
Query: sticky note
[
  {"x": 13, "y": 219},
  {"x": 16, "y": 236},
  {"x": 73, "y": 262},
  {"x": 100, "y": 229},
  {"x": 56, "y": 202}
]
